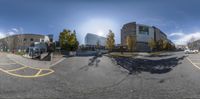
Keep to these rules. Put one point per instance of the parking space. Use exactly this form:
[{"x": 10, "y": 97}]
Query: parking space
[
  {"x": 16, "y": 69},
  {"x": 194, "y": 59}
]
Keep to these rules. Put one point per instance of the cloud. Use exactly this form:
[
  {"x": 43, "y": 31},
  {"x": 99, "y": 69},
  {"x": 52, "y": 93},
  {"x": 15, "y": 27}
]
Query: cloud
[
  {"x": 15, "y": 29},
  {"x": 176, "y": 34},
  {"x": 2, "y": 35},
  {"x": 11, "y": 31},
  {"x": 183, "y": 38}
]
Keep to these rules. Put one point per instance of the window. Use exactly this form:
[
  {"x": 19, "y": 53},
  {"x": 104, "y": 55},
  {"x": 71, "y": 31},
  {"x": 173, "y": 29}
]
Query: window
[
  {"x": 25, "y": 39},
  {"x": 31, "y": 39},
  {"x": 144, "y": 30}
]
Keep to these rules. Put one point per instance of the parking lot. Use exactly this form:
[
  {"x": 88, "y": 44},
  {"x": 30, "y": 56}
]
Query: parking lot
[
  {"x": 14, "y": 68},
  {"x": 194, "y": 59},
  {"x": 77, "y": 78}
]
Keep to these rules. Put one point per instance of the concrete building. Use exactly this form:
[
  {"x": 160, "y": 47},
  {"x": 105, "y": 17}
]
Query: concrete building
[
  {"x": 194, "y": 45},
  {"x": 143, "y": 34},
  {"x": 181, "y": 47},
  {"x": 20, "y": 42},
  {"x": 92, "y": 39}
]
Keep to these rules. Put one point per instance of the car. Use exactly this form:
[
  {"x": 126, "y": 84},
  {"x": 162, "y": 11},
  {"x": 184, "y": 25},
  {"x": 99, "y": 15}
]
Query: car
[
  {"x": 188, "y": 51},
  {"x": 196, "y": 51}
]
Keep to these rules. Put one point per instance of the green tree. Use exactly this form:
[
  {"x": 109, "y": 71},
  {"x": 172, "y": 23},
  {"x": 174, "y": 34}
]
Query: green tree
[
  {"x": 73, "y": 42},
  {"x": 110, "y": 41},
  {"x": 68, "y": 40},
  {"x": 159, "y": 44},
  {"x": 165, "y": 45},
  {"x": 152, "y": 44},
  {"x": 63, "y": 39},
  {"x": 131, "y": 42}
]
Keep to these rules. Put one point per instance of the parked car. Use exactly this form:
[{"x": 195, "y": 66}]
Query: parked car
[
  {"x": 196, "y": 51},
  {"x": 188, "y": 51}
]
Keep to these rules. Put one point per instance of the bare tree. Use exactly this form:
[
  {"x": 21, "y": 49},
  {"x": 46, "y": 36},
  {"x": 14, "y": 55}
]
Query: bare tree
[
  {"x": 8, "y": 42},
  {"x": 190, "y": 43}
]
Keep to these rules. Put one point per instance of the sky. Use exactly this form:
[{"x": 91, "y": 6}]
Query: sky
[{"x": 179, "y": 19}]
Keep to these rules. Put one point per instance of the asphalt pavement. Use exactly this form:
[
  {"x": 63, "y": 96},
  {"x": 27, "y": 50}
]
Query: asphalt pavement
[{"x": 104, "y": 78}]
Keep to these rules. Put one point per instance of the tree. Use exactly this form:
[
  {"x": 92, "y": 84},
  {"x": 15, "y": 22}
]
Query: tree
[
  {"x": 98, "y": 44},
  {"x": 165, "y": 45},
  {"x": 68, "y": 40},
  {"x": 63, "y": 39},
  {"x": 110, "y": 41},
  {"x": 190, "y": 43},
  {"x": 159, "y": 44},
  {"x": 8, "y": 42},
  {"x": 152, "y": 44},
  {"x": 131, "y": 42}
]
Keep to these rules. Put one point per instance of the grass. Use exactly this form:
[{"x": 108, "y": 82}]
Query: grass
[
  {"x": 155, "y": 53},
  {"x": 20, "y": 53},
  {"x": 125, "y": 54},
  {"x": 132, "y": 54}
]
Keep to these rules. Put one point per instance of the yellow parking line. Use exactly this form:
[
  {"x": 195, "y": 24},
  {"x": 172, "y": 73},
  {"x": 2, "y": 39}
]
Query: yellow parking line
[
  {"x": 26, "y": 76},
  {"x": 7, "y": 63},
  {"x": 29, "y": 66},
  {"x": 193, "y": 63},
  {"x": 17, "y": 69},
  {"x": 38, "y": 72}
]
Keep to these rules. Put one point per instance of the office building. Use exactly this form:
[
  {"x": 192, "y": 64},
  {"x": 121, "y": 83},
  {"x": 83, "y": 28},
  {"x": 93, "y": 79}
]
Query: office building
[{"x": 143, "y": 34}]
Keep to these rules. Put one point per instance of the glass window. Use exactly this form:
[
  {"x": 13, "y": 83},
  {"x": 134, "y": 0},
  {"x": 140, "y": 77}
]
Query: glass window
[{"x": 144, "y": 30}]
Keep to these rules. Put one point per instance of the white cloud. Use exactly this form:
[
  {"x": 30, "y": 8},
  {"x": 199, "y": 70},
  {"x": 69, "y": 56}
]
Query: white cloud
[
  {"x": 184, "y": 38},
  {"x": 176, "y": 34},
  {"x": 2, "y": 35},
  {"x": 11, "y": 31},
  {"x": 15, "y": 29}
]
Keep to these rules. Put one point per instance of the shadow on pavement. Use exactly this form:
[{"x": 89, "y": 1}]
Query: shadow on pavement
[
  {"x": 145, "y": 65},
  {"x": 165, "y": 55},
  {"x": 91, "y": 62}
]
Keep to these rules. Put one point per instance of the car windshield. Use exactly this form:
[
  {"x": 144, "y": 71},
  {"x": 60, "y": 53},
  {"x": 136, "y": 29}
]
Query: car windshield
[{"x": 99, "y": 49}]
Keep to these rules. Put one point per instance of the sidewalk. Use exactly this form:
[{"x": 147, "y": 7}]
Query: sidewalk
[{"x": 34, "y": 63}]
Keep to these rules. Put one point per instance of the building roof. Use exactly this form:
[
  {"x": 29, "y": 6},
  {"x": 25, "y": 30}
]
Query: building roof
[{"x": 23, "y": 34}]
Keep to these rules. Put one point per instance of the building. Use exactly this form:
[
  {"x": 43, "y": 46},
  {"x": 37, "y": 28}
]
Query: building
[
  {"x": 194, "y": 45},
  {"x": 143, "y": 34},
  {"x": 20, "y": 42},
  {"x": 93, "y": 39},
  {"x": 181, "y": 47},
  {"x": 158, "y": 34}
]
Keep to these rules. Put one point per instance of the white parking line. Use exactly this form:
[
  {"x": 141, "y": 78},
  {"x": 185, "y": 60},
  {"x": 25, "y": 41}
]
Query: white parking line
[
  {"x": 194, "y": 59},
  {"x": 193, "y": 63}
]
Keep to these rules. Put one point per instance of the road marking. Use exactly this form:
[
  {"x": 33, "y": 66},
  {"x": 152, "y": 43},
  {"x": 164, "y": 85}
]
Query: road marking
[
  {"x": 7, "y": 63},
  {"x": 17, "y": 69},
  {"x": 58, "y": 62},
  {"x": 38, "y": 72},
  {"x": 25, "y": 76},
  {"x": 28, "y": 76},
  {"x": 193, "y": 63},
  {"x": 194, "y": 59}
]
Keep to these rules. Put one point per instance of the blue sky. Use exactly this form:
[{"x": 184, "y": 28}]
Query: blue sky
[{"x": 177, "y": 18}]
